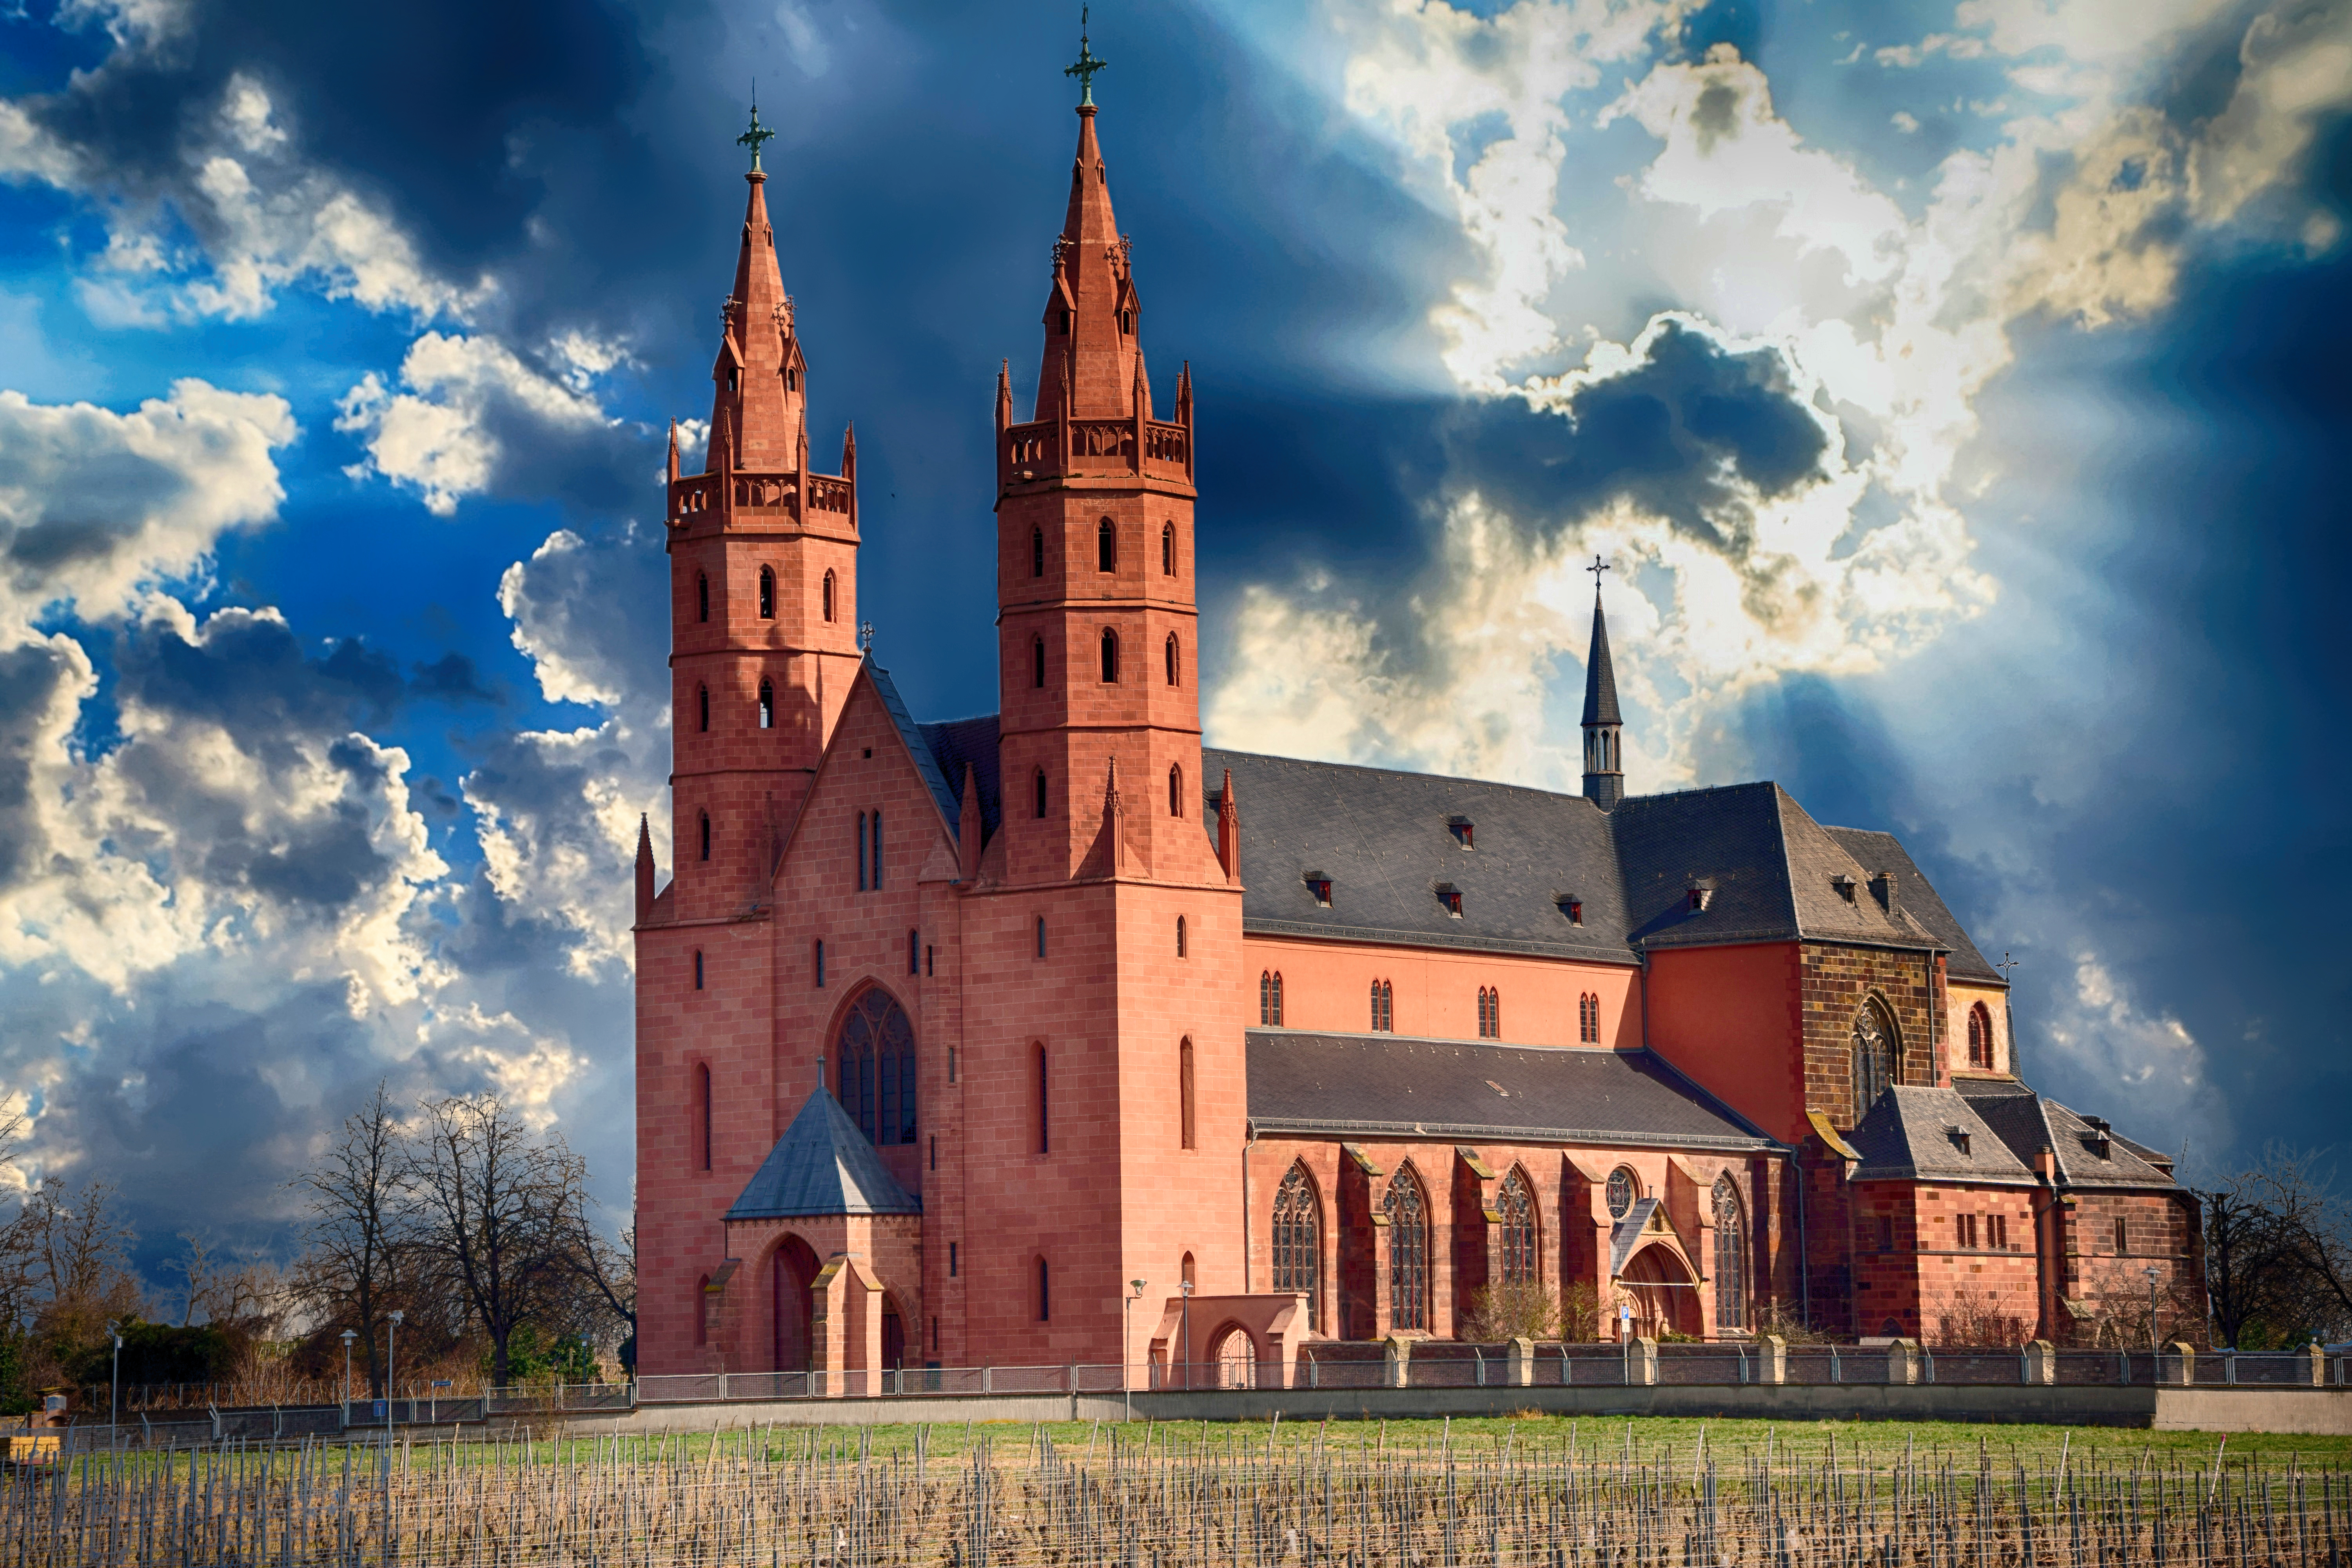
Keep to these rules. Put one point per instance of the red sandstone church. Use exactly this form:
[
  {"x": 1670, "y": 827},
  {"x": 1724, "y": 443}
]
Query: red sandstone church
[{"x": 955, "y": 1041}]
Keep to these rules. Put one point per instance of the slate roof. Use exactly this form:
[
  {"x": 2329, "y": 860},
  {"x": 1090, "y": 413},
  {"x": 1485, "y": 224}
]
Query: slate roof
[
  {"x": 1626, "y": 1234},
  {"x": 917, "y": 744},
  {"x": 1399, "y": 1085},
  {"x": 1382, "y": 838},
  {"x": 1909, "y": 1134},
  {"x": 822, "y": 1165},
  {"x": 2029, "y": 1122},
  {"x": 1599, "y": 674},
  {"x": 1876, "y": 851},
  {"x": 968, "y": 741}
]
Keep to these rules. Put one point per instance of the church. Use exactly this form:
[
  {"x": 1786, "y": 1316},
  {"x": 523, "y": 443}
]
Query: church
[{"x": 1054, "y": 1037}]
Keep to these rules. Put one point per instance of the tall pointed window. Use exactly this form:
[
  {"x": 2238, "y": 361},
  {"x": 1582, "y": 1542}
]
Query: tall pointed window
[
  {"x": 1269, "y": 998},
  {"x": 1109, "y": 656},
  {"x": 702, "y": 707},
  {"x": 827, "y": 605},
  {"x": 704, "y": 819},
  {"x": 1041, "y": 936},
  {"x": 1106, "y": 547},
  {"x": 701, "y": 596},
  {"x": 1044, "y": 1098},
  {"x": 877, "y": 1054},
  {"x": 1297, "y": 1242},
  {"x": 1588, "y": 1019},
  {"x": 1174, "y": 662},
  {"x": 1176, "y": 792},
  {"x": 1490, "y": 1013},
  {"x": 1037, "y": 663},
  {"x": 1980, "y": 1036},
  {"x": 1181, "y": 943},
  {"x": 1167, "y": 550},
  {"x": 1383, "y": 1008},
  {"x": 767, "y": 705},
  {"x": 1041, "y": 792},
  {"x": 768, "y": 594},
  {"x": 1186, "y": 1130},
  {"x": 1037, "y": 553},
  {"x": 1516, "y": 1204},
  {"x": 1730, "y": 1257},
  {"x": 1408, "y": 1215},
  {"x": 1875, "y": 1051}
]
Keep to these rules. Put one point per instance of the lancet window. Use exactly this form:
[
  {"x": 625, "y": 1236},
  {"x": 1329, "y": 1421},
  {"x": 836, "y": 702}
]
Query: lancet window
[
  {"x": 1730, "y": 1257},
  {"x": 1298, "y": 1241},
  {"x": 1516, "y": 1204},
  {"x": 877, "y": 1080},
  {"x": 1408, "y": 1215},
  {"x": 1873, "y": 1055}
]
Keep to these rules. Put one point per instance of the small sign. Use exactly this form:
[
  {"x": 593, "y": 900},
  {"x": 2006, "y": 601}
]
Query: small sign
[
  {"x": 442, "y": 1383},
  {"x": 380, "y": 1413}
]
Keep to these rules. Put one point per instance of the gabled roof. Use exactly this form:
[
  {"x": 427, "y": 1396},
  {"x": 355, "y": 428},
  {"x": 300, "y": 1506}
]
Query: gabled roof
[
  {"x": 943, "y": 792},
  {"x": 1382, "y": 838},
  {"x": 1910, "y": 1134},
  {"x": 822, "y": 1165},
  {"x": 2029, "y": 1122},
  {"x": 1875, "y": 851},
  {"x": 1626, "y": 1234},
  {"x": 1401, "y": 1085}
]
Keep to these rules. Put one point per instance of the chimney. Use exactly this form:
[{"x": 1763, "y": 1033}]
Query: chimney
[{"x": 1882, "y": 887}]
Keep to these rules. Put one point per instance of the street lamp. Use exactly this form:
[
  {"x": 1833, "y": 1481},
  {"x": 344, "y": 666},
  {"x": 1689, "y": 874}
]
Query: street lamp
[
  {"x": 2153, "y": 1342},
  {"x": 114, "y": 1391},
  {"x": 1187, "y": 1288},
  {"x": 348, "y": 1336},
  {"x": 1126, "y": 1345},
  {"x": 391, "y": 1360}
]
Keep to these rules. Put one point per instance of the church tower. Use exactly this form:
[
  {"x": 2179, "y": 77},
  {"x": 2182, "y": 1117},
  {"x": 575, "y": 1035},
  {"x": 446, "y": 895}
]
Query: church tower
[
  {"x": 1604, "y": 765},
  {"x": 764, "y": 593}
]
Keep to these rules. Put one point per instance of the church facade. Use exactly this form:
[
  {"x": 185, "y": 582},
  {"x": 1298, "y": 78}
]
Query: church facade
[{"x": 1054, "y": 1037}]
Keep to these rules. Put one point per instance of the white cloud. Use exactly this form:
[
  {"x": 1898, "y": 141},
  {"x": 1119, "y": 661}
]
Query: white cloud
[
  {"x": 96, "y": 506},
  {"x": 2148, "y": 1058},
  {"x": 441, "y": 436}
]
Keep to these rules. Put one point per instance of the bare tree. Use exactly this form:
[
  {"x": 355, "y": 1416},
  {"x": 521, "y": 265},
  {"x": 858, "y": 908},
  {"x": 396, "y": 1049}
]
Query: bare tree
[
  {"x": 495, "y": 1203},
  {"x": 360, "y": 1224},
  {"x": 605, "y": 1270},
  {"x": 2311, "y": 1230},
  {"x": 2249, "y": 1277}
]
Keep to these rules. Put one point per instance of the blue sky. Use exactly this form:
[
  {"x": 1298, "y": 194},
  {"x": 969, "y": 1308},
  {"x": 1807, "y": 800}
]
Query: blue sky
[{"x": 1953, "y": 386}]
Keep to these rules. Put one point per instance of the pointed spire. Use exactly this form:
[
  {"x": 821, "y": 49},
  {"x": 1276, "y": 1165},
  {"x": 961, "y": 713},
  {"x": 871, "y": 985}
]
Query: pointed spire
[
  {"x": 1092, "y": 315},
  {"x": 1184, "y": 396},
  {"x": 1229, "y": 831},
  {"x": 756, "y": 396},
  {"x": 968, "y": 830},
  {"x": 1003, "y": 397},
  {"x": 1605, "y": 771},
  {"x": 645, "y": 870},
  {"x": 1113, "y": 817},
  {"x": 672, "y": 451}
]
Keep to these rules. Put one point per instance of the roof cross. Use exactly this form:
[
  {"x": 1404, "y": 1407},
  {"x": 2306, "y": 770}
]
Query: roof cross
[
  {"x": 1598, "y": 567},
  {"x": 2005, "y": 965},
  {"x": 866, "y": 636},
  {"x": 1088, "y": 64},
  {"x": 756, "y": 137}
]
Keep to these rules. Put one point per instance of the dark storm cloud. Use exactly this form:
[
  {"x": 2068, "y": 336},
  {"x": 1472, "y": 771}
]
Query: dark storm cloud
[
  {"x": 250, "y": 674},
  {"x": 1688, "y": 433},
  {"x": 33, "y": 679}
]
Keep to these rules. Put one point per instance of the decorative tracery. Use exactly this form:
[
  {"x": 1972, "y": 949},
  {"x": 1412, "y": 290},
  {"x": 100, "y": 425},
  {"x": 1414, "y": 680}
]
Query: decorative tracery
[
  {"x": 1297, "y": 1240},
  {"x": 878, "y": 1068},
  {"x": 1516, "y": 1204},
  {"x": 1730, "y": 1257},
  {"x": 1873, "y": 1055},
  {"x": 1408, "y": 1214}
]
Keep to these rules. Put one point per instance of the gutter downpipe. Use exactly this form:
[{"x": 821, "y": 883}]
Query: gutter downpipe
[
  {"x": 1249, "y": 1142},
  {"x": 1805, "y": 1258}
]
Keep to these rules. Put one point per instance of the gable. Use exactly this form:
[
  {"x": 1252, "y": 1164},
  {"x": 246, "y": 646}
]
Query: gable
[{"x": 900, "y": 770}]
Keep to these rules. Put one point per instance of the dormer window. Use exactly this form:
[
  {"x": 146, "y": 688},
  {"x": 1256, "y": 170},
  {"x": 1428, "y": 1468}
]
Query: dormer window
[
  {"x": 1464, "y": 833},
  {"x": 1573, "y": 908},
  {"x": 1451, "y": 897},
  {"x": 1844, "y": 885},
  {"x": 1960, "y": 1137},
  {"x": 1320, "y": 886},
  {"x": 1701, "y": 894}
]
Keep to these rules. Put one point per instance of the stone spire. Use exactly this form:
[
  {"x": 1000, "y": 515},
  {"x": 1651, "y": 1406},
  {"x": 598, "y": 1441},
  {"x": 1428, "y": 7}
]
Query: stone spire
[
  {"x": 1088, "y": 367},
  {"x": 1605, "y": 771},
  {"x": 759, "y": 399}
]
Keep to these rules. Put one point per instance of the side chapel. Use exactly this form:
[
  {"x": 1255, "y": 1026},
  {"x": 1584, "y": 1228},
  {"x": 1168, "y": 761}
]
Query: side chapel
[{"x": 1052, "y": 1037}]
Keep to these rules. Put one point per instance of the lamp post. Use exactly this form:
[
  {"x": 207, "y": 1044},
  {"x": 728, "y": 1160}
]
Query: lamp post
[
  {"x": 391, "y": 1360},
  {"x": 348, "y": 1336},
  {"x": 1126, "y": 1345},
  {"x": 1187, "y": 1288},
  {"x": 2153, "y": 1342},
  {"x": 114, "y": 1391}
]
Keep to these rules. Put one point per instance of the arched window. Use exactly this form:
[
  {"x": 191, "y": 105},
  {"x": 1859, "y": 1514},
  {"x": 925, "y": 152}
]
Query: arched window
[
  {"x": 702, "y": 707},
  {"x": 1037, "y": 663},
  {"x": 1490, "y": 1013},
  {"x": 1172, "y": 659},
  {"x": 1269, "y": 998},
  {"x": 1516, "y": 1201},
  {"x": 1980, "y": 1036},
  {"x": 1874, "y": 1055},
  {"x": 701, "y": 1114},
  {"x": 1176, "y": 791},
  {"x": 1045, "y": 1096},
  {"x": 768, "y": 594},
  {"x": 914, "y": 952},
  {"x": 767, "y": 705},
  {"x": 1297, "y": 1242},
  {"x": 1180, "y": 952},
  {"x": 701, "y": 596},
  {"x": 1106, "y": 547},
  {"x": 1041, "y": 936},
  {"x": 1109, "y": 656},
  {"x": 1167, "y": 550},
  {"x": 704, "y": 817},
  {"x": 1408, "y": 1250},
  {"x": 698, "y": 969},
  {"x": 1037, "y": 553},
  {"x": 1383, "y": 1008},
  {"x": 876, "y": 1054},
  {"x": 1623, "y": 1188},
  {"x": 1731, "y": 1257},
  {"x": 829, "y": 597},
  {"x": 1184, "y": 1270},
  {"x": 861, "y": 851},
  {"x": 1588, "y": 1018},
  {"x": 1187, "y": 1130}
]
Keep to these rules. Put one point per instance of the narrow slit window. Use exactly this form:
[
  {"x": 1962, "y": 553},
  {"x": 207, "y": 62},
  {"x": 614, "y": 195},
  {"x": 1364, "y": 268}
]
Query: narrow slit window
[
  {"x": 1037, "y": 553},
  {"x": 1174, "y": 661},
  {"x": 1044, "y": 1105},
  {"x": 914, "y": 952},
  {"x": 767, "y": 705},
  {"x": 1186, "y": 1128},
  {"x": 698, "y": 969},
  {"x": 877, "y": 848},
  {"x": 1109, "y": 656},
  {"x": 1041, "y": 792},
  {"x": 861, "y": 851},
  {"x": 1037, "y": 663},
  {"x": 1167, "y": 550},
  {"x": 1106, "y": 547},
  {"x": 702, "y": 1116},
  {"x": 1044, "y": 1292},
  {"x": 1180, "y": 937},
  {"x": 767, "y": 595},
  {"x": 704, "y": 818},
  {"x": 1041, "y": 936},
  {"x": 1176, "y": 791},
  {"x": 701, "y": 596},
  {"x": 828, "y": 606},
  {"x": 702, "y": 707},
  {"x": 819, "y": 961}
]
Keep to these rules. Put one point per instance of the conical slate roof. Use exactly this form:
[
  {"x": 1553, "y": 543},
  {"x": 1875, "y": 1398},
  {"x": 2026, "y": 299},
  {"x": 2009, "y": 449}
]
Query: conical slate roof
[
  {"x": 1600, "y": 676},
  {"x": 822, "y": 1165}
]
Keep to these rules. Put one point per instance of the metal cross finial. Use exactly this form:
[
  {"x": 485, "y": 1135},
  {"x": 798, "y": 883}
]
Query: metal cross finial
[
  {"x": 1598, "y": 567},
  {"x": 866, "y": 636},
  {"x": 2005, "y": 965},
  {"x": 754, "y": 138},
  {"x": 1088, "y": 65}
]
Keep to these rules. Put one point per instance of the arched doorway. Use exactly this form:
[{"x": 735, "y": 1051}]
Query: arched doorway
[
  {"x": 794, "y": 1270},
  {"x": 1664, "y": 1295},
  {"x": 894, "y": 1335},
  {"x": 1235, "y": 1355}
]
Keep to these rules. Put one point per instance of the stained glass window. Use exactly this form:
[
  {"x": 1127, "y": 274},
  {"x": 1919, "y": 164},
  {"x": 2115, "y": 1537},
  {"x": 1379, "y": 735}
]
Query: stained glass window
[
  {"x": 1408, "y": 1251},
  {"x": 1516, "y": 1204},
  {"x": 1731, "y": 1257},
  {"x": 1297, "y": 1237},
  {"x": 877, "y": 1069}
]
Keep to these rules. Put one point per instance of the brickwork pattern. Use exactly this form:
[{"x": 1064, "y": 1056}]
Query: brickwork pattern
[{"x": 1837, "y": 982}]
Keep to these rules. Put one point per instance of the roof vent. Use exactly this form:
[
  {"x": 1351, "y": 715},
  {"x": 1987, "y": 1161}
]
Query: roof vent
[
  {"x": 1460, "y": 826},
  {"x": 1960, "y": 1137},
  {"x": 1451, "y": 897},
  {"x": 1320, "y": 886},
  {"x": 1844, "y": 885}
]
